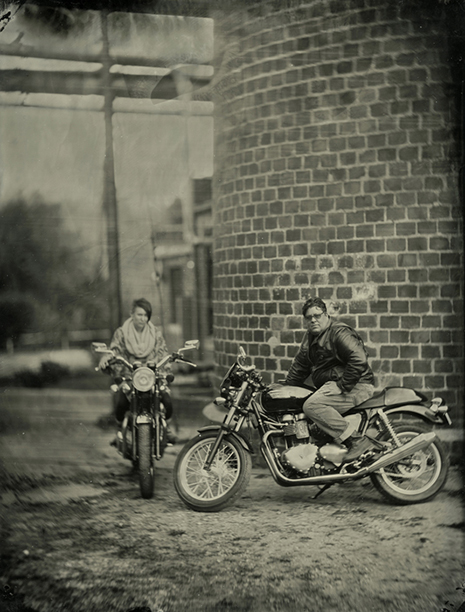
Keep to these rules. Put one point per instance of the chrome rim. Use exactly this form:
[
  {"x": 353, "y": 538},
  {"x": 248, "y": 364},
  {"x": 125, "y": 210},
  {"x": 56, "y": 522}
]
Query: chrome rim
[
  {"x": 214, "y": 483},
  {"x": 416, "y": 473}
]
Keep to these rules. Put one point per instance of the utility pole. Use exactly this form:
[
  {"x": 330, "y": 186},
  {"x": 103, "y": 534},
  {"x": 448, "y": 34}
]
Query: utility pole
[{"x": 109, "y": 188}]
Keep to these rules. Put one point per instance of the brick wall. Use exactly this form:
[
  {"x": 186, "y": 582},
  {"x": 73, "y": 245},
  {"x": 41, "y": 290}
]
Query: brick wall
[{"x": 336, "y": 176}]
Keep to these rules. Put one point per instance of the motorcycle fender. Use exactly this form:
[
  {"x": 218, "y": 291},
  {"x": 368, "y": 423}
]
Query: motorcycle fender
[
  {"x": 245, "y": 443},
  {"x": 144, "y": 418},
  {"x": 417, "y": 411}
]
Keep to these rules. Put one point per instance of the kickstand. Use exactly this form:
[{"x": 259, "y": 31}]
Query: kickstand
[{"x": 323, "y": 489}]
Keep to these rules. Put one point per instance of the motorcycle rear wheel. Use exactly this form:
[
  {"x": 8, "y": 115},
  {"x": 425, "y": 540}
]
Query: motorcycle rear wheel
[
  {"x": 417, "y": 478},
  {"x": 214, "y": 489},
  {"x": 145, "y": 462}
]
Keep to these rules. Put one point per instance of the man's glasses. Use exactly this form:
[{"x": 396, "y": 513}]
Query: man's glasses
[{"x": 315, "y": 316}]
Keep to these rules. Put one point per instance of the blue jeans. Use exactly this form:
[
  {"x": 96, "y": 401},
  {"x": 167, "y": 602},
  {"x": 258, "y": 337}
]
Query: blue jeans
[{"x": 327, "y": 405}]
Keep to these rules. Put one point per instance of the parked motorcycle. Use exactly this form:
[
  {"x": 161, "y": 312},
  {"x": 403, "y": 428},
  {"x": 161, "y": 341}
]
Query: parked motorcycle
[
  {"x": 143, "y": 435},
  {"x": 408, "y": 463}
]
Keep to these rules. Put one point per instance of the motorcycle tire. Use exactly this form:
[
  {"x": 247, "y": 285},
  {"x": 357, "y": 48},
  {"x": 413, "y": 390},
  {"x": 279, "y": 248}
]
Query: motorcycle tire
[
  {"x": 145, "y": 462},
  {"x": 417, "y": 478},
  {"x": 222, "y": 484}
]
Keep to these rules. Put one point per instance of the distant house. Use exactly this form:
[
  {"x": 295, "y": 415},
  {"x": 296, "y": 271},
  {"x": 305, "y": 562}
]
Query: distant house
[{"x": 184, "y": 268}]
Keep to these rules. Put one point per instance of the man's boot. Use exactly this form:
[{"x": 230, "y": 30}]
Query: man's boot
[{"x": 357, "y": 445}]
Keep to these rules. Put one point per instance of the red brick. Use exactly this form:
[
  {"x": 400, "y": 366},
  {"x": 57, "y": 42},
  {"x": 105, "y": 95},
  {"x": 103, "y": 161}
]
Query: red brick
[
  {"x": 415, "y": 207},
  {"x": 396, "y": 276},
  {"x": 389, "y": 352},
  {"x": 356, "y": 276},
  {"x": 376, "y": 276},
  {"x": 386, "y": 261},
  {"x": 422, "y": 366},
  {"x": 419, "y": 306},
  {"x": 409, "y": 352},
  {"x": 376, "y": 246},
  {"x": 439, "y": 243},
  {"x": 401, "y": 366},
  {"x": 398, "y": 336}
]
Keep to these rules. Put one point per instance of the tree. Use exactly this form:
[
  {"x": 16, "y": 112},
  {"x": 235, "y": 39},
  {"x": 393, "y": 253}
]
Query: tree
[
  {"x": 16, "y": 312},
  {"x": 42, "y": 264}
]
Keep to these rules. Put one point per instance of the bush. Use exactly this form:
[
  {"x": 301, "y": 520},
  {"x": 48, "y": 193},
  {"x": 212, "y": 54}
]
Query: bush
[
  {"x": 48, "y": 281},
  {"x": 49, "y": 373},
  {"x": 26, "y": 378}
]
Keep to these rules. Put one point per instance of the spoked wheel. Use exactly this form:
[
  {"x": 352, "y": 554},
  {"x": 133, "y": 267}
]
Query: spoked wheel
[
  {"x": 145, "y": 463},
  {"x": 417, "y": 478},
  {"x": 211, "y": 490}
]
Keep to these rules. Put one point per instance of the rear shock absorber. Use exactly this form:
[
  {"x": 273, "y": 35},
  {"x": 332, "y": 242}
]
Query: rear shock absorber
[{"x": 389, "y": 427}]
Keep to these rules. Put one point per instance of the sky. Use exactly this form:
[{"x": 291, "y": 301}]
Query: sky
[{"x": 52, "y": 146}]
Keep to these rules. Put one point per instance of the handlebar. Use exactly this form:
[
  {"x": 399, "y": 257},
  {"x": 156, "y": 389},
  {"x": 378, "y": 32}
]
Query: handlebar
[
  {"x": 116, "y": 358},
  {"x": 189, "y": 345},
  {"x": 249, "y": 368},
  {"x": 194, "y": 365}
]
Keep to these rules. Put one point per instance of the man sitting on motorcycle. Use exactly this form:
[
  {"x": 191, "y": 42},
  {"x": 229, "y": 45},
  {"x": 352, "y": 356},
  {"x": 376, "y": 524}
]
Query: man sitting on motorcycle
[
  {"x": 335, "y": 356},
  {"x": 139, "y": 340}
]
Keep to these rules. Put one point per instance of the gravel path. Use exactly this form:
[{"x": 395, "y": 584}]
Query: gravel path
[{"x": 77, "y": 537}]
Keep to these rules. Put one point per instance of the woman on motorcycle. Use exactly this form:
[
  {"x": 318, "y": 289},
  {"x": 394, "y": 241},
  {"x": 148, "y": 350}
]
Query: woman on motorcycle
[{"x": 138, "y": 340}]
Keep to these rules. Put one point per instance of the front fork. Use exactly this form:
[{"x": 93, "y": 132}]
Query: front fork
[
  {"x": 155, "y": 420},
  {"x": 227, "y": 426}
]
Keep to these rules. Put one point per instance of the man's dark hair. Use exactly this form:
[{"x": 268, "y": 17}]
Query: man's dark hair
[
  {"x": 143, "y": 303},
  {"x": 318, "y": 302}
]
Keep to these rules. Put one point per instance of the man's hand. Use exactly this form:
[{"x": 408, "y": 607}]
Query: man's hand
[{"x": 277, "y": 391}]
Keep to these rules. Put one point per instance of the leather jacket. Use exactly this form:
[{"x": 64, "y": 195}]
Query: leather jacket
[{"x": 336, "y": 354}]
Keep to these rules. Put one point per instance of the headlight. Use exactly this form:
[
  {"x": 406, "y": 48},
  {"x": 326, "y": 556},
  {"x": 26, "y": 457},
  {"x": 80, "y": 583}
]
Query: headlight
[{"x": 143, "y": 379}]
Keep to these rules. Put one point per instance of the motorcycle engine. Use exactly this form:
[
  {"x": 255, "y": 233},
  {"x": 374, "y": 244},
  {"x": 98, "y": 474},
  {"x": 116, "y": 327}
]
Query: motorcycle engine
[
  {"x": 334, "y": 453},
  {"x": 301, "y": 453}
]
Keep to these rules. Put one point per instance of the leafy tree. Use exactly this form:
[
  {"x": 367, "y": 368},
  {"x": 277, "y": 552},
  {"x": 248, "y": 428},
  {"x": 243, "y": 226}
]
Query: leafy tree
[
  {"x": 16, "y": 312},
  {"x": 42, "y": 264}
]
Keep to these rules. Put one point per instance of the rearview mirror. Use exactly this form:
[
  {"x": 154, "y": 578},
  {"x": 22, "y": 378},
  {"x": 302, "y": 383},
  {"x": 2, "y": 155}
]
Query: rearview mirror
[
  {"x": 241, "y": 355},
  {"x": 100, "y": 347},
  {"x": 189, "y": 345}
]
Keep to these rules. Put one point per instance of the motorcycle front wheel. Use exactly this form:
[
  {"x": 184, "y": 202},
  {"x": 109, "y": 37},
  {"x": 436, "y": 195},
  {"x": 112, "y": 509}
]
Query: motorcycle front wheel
[
  {"x": 417, "y": 478},
  {"x": 211, "y": 490},
  {"x": 145, "y": 462}
]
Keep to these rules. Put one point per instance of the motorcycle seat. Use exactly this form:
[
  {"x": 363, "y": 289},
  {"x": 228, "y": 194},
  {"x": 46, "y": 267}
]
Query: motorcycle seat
[{"x": 390, "y": 397}]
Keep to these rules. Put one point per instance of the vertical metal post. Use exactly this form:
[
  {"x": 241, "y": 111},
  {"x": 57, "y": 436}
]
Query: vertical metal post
[
  {"x": 201, "y": 288},
  {"x": 109, "y": 188}
]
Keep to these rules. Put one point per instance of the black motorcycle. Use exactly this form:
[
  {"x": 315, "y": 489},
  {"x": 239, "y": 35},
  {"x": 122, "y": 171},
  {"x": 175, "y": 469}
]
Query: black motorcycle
[
  {"x": 407, "y": 464},
  {"x": 143, "y": 435}
]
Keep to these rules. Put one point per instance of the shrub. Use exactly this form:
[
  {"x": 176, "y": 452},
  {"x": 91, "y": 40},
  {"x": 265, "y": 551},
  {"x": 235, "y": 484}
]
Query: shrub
[
  {"x": 48, "y": 374},
  {"x": 51, "y": 372}
]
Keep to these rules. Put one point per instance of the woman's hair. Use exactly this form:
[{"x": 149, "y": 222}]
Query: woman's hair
[
  {"x": 143, "y": 303},
  {"x": 318, "y": 302}
]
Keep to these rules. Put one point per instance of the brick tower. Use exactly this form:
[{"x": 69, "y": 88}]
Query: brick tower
[{"x": 337, "y": 164}]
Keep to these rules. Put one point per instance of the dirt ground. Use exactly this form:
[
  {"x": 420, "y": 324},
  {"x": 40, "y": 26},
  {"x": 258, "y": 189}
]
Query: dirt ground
[{"x": 76, "y": 536}]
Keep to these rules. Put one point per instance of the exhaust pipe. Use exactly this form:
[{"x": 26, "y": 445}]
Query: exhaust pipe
[{"x": 418, "y": 443}]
